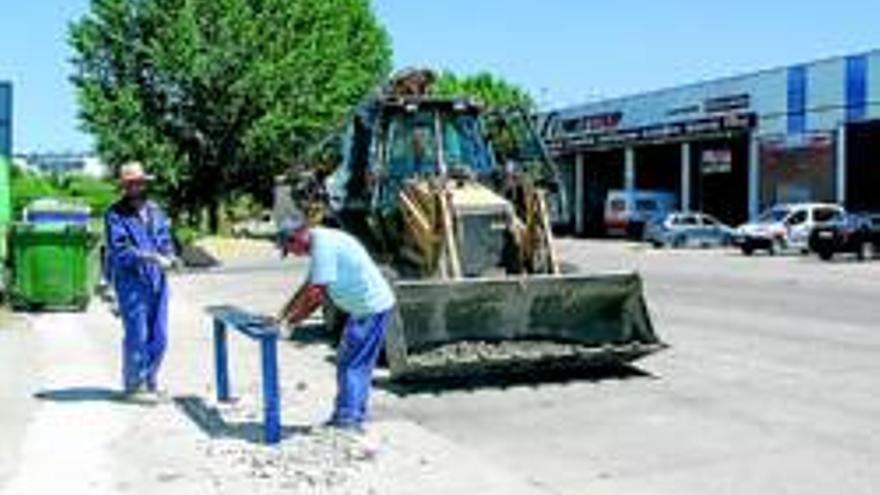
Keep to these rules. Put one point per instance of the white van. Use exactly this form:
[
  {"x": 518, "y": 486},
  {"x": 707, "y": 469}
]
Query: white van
[{"x": 627, "y": 212}]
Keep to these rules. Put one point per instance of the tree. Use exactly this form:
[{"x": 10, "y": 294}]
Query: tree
[
  {"x": 216, "y": 97},
  {"x": 509, "y": 108},
  {"x": 490, "y": 90}
]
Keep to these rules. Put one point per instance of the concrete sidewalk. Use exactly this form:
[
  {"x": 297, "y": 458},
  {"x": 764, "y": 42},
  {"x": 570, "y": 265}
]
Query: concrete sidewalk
[{"x": 69, "y": 432}]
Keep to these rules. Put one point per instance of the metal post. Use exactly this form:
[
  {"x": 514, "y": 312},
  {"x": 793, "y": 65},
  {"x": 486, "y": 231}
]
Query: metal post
[
  {"x": 629, "y": 169},
  {"x": 271, "y": 399},
  {"x": 685, "y": 177},
  {"x": 754, "y": 176},
  {"x": 841, "y": 165},
  {"x": 579, "y": 199},
  {"x": 221, "y": 361}
]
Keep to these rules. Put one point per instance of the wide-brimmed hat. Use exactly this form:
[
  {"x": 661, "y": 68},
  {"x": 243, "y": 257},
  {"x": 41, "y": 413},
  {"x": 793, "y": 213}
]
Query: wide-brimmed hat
[{"x": 133, "y": 172}]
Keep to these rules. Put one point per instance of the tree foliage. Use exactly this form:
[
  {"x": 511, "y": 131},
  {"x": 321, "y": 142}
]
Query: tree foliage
[
  {"x": 218, "y": 96},
  {"x": 27, "y": 186},
  {"x": 490, "y": 90}
]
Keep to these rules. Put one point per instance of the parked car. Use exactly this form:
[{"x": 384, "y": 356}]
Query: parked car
[
  {"x": 786, "y": 227},
  {"x": 628, "y": 212},
  {"x": 853, "y": 233},
  {"x": 263, "y": 227},
  {"x": 688, "y": 229}
]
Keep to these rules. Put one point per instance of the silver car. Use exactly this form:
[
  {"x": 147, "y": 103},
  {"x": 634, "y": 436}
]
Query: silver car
[{"x": 689, "y": 229}]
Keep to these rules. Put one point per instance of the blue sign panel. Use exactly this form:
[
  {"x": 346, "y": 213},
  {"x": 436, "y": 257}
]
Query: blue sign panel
[
  {"x": 856, "y": 87},
  {"x": 797, "y": 99}
]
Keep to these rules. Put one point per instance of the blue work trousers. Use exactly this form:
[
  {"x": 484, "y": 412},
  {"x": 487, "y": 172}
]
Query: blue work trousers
[
  {"x": 144, "y": 312},
  {"x": 360, "y": 347}
]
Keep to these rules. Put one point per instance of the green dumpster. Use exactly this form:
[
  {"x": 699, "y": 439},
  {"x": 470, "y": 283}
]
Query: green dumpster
[{"x": 54, "y": 266}]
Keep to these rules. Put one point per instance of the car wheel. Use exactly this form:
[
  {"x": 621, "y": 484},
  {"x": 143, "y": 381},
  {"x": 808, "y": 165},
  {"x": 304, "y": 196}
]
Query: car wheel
[
  {"x": 825, "y": 254},
  {"x": 657, "y": 244},
  {"x": 748, "y": 250},
  {"x": 867, "y": 251}
]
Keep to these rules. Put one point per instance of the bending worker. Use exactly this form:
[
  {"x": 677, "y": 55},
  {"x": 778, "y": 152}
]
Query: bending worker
[
  {"x": 342, "y": 270},
  {"x": 139, "y": 250}
]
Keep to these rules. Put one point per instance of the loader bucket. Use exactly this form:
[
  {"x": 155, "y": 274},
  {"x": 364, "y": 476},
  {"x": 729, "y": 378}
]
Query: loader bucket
[{"x": 461, "y": 327}]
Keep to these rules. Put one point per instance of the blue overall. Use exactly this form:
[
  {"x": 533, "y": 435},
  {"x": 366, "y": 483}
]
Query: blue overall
[
  {"x": 141, "y": 288},
  {"x": 355, "y": 360}
]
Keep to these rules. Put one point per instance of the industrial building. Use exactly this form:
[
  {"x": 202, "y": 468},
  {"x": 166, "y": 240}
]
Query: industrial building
[{"x": 729, "y": 147}]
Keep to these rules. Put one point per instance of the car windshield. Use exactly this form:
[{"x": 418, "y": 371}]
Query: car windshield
[
  {"x": 646, "y": 205},
  {"x": 618, "y": 205},
  {"x": 773, "y": 215}
]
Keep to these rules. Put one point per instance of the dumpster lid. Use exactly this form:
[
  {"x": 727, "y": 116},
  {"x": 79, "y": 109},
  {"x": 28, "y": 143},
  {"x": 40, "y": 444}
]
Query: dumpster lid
[{"x": 58, "y": 205}]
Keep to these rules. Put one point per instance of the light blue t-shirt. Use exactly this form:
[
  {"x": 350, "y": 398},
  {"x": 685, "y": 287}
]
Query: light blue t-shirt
[{"x": 352, "y": 278}]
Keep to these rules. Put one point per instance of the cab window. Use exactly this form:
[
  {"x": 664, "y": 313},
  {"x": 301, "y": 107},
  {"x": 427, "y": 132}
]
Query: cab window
[
  {"x": 823, "y": 215},
  {"x": 710, "y": 221},
  {"x": 412, "y": 147},
  {"x": 689, "y": 220}
]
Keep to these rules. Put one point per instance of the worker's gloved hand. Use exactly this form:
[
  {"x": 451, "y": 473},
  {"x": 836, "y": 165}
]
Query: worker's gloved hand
[
  {"x": 160, "y": 260},
  {"x": 166, "y": 263}
]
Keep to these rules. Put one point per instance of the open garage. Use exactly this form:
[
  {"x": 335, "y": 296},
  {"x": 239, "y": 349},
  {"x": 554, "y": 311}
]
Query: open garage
[{"x": 863, "y": 170}]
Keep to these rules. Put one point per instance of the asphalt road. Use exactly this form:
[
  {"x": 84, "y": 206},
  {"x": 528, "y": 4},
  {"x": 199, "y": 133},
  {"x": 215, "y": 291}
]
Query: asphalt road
[{"x": 771, "y": 385}]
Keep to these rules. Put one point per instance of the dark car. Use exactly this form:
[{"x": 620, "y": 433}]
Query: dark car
[{"x": 854, "y": 233}]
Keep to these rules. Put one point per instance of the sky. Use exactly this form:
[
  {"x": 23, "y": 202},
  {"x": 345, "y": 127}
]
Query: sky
[{"x": 563, "y": 51}]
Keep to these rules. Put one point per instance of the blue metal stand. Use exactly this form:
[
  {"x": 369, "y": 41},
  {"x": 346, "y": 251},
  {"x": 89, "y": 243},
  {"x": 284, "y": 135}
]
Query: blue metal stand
[{"x": 264, "y": 332}]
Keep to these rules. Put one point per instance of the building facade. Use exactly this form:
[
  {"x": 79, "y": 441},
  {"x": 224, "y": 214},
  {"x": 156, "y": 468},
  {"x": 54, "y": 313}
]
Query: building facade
[
  {"x": 729, "y": 147},
  {"x": 88, "y": 164}
]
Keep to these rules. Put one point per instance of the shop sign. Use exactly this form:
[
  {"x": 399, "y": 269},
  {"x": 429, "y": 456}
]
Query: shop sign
[
  {"x": 661, "y": 132},
  {"x": 727, "y": 103},
  {"x": 716, "y": 162},
  {"x": 592, "y": 123}
]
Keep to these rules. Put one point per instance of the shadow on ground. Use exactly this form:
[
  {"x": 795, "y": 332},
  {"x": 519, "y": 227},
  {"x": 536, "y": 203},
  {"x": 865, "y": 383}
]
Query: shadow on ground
[
  {"x": 310, "y": 334},
  {"x": 209, "y": 419},
  {"x": 523, "y": 377},
  {"x": 81, "y": 394}
]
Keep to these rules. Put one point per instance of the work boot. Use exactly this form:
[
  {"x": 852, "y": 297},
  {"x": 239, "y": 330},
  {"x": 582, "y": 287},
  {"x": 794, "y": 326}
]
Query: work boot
[
  {"x": 345, "y": 425},
  {"x": 140, "y": 396},
  {"x": 158, "y": 394}
]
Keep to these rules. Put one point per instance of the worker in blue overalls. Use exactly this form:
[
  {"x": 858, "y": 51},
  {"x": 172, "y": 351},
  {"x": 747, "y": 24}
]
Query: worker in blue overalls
[{"x": 139, "y": 251}]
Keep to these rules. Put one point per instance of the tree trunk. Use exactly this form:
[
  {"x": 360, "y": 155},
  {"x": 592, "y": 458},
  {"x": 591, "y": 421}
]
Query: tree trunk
[{"x": 213, "y": 216}]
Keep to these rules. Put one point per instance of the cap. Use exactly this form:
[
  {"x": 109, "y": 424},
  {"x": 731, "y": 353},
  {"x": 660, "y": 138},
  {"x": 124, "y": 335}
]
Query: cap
[{"x": 290, "y": 224}]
